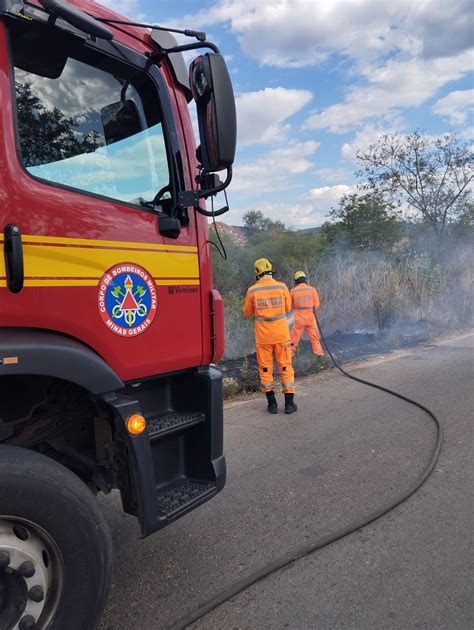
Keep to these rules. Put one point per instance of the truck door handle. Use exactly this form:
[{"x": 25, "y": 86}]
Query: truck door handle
[{"x": 13, "y": 250}]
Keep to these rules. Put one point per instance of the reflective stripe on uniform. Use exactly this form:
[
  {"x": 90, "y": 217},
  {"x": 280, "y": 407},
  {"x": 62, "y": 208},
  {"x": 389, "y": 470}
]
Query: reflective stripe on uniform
[
  {"x": 302, "y": 289},
  {"x": 270, "y": 319},
  {"x": 288, "y": 384},
  {"x": 302, "y": 308},
  {"x": 267, "y": 287}
]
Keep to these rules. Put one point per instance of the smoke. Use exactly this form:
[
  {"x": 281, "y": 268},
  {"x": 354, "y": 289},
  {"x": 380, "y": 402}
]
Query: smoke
[
  {"x": 397, "y": 297},
  {"x": 395, "y": 293}
]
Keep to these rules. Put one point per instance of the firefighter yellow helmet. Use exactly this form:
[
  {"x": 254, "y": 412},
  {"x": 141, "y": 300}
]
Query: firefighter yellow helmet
[
  {"x": 261, "y": 266},
  {"x": 298, "y": 274}
]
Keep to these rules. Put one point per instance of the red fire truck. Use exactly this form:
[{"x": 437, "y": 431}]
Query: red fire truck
[{"x": 109, "y": 324}]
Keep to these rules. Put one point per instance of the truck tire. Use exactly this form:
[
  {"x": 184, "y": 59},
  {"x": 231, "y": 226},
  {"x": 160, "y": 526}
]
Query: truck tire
[{"x": 55, "y": 546}]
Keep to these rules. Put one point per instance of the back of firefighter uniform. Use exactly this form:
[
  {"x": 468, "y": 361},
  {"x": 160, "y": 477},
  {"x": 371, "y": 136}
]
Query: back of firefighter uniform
[
  {"x": 269, "y": 302},
  {"x": 305, "y": 301}
]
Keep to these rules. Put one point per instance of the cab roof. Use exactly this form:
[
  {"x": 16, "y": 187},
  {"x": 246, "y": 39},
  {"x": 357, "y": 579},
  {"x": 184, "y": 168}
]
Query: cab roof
[{"x": 133, "y": 36}]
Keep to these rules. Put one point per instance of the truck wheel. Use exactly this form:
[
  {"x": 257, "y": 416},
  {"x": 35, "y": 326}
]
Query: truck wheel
[{"x": 55, "y": 546}]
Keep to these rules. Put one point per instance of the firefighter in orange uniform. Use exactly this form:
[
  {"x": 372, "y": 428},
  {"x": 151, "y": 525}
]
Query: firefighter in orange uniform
[
  {"x": 305, "y": 303},
  {"x": 269, "y": 302}
]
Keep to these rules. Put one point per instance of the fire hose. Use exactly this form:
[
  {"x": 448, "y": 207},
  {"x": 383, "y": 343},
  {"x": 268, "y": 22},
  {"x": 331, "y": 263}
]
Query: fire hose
[{"x": 300, "y": 552}]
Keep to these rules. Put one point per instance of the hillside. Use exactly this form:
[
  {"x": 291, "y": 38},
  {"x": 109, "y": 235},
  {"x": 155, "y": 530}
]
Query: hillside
[
  {"x": 235, "y": 233},
  {"x": 240, "y": 234}
]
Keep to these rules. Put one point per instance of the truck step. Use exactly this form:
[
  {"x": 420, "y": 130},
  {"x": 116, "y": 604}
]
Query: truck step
[
  {"x": 172, "y": 421},
  {"x": 184, "y": 494}
]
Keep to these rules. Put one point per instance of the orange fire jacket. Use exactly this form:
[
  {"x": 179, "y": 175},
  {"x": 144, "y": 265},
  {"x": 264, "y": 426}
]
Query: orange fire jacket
[
  {"x": 305, "y": 300},
  {"x": 269, "y": 301}
]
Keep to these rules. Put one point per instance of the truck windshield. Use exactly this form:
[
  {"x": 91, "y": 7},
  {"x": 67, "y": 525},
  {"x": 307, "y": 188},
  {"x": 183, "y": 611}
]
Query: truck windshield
[{"x": 96, "y": 126}]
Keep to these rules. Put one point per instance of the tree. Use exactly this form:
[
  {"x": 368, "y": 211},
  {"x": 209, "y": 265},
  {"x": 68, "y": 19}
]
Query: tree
[
  {"x": 464, "y": 225},
  {"x": 48, "y": 135},
  {"x": 257, "y": 223},
  {"x": 431, "y": 175},
  {"x": 233, "y": 273},
  {"x": 364, "y": 222},
  {"x": 288, "y": 252}
]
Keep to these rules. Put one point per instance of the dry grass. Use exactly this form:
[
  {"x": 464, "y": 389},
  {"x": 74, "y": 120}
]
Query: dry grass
[{"x": 371, "y": 291}]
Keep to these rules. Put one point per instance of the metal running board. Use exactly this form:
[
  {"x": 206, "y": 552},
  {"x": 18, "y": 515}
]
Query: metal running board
[
  {"x": 171, "y": 422},
  {"x": 183, "y": 495}
]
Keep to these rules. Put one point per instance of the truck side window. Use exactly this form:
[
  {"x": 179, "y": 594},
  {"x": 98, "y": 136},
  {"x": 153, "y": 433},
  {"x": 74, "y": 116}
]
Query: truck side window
[{"x": 96, "y": 126}]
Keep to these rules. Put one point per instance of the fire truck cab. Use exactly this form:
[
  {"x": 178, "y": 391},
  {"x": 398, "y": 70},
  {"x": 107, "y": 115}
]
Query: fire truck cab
[{"x": 109, "y": 323}]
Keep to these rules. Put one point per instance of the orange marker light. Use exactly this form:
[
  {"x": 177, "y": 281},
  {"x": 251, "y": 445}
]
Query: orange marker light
[
  {"x": 9, "y": 360},
  {"x": 136, "y": 424}
]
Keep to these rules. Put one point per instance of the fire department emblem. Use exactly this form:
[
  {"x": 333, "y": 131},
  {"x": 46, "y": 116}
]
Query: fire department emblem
[{"x": 127, "y": 299}]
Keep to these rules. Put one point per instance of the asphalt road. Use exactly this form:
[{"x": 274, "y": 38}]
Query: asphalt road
[{"x": 293, "y": 479}]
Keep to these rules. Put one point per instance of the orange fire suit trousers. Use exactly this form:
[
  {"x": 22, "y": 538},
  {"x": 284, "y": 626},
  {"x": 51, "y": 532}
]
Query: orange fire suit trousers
[
  {"x": 282, "y": 354},
  {"x": 306, "y": 323}
]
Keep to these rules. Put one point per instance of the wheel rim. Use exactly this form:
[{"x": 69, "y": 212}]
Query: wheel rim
[{"x": 31, "y": 575}]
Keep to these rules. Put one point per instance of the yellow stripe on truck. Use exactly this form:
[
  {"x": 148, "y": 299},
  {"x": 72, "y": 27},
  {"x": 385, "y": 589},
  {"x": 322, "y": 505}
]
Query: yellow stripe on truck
[
  {"x": 68, "y": 282},
  {"x": 50, "y": 261},
  {"x": 75, "y": 262},
  {"x": 92, "y": 242}
]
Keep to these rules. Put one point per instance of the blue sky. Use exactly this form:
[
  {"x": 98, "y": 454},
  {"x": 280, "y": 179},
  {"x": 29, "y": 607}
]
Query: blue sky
[{"x": 317, "y": 80}]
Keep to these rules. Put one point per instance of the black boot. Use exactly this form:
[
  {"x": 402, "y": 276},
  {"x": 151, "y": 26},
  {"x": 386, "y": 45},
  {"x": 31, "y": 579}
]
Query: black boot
[
  {"x": 272, "y": 403},
  {"x": 290, "y": 406}
]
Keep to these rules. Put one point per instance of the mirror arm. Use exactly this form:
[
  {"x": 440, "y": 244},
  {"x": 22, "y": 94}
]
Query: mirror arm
[
  {"x": 204, "y": 178},
  {"x": 188, "y": 198},
  {"x": 157, "y": 55},
  {"x": 193, "y": 46},
  {"x": 216, "y": 213}
]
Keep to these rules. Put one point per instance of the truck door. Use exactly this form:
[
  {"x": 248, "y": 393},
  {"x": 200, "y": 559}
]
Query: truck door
[{"x": 92, "y": 157}]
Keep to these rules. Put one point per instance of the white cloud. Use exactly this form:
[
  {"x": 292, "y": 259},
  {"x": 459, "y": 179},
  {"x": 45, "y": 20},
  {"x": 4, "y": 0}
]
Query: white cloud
[
  {"x": 366, "y": 136},
  {"x": 300, "y": 33},
  {"x": 395, "y": 85},
  {"x": 445, "y": 27},
  {"x": 294, "y": 215},
  {"x": 274, "y": 170},
  {"x": 326, "y": 197},
  {"x": 304, "y": 32},
  {"x": 456, "y": 106},
  {"x": 261, "y": 115},
  {"x": 308, "y": 210},
  {"x": 400, "y": 53},
  {"x": 468, "y": 134},
  {"x": 332, "y": 175}
]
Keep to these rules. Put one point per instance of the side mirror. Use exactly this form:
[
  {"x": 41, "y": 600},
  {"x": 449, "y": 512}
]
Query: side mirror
[
  {"x": 212, "y": 90},
  {"x": 120, "y": 120}
]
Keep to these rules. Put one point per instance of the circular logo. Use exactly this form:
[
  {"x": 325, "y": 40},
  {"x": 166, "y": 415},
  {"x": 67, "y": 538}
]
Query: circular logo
[{"x": 127, "y": 299}]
